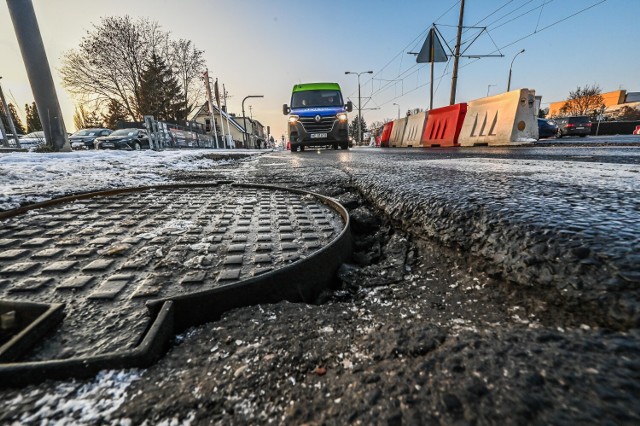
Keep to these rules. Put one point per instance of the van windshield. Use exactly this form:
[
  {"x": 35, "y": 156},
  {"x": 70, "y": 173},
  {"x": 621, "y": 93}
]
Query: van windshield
[{"x": 316, "y": 98}]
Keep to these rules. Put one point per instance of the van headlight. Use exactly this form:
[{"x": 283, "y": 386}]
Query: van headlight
[
  {"x": 341, "y": 116},
  {"x": 293, "y": 119}
]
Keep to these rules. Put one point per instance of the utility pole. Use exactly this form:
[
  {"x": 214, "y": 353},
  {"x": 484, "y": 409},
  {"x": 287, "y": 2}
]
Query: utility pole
[
  {"x": 35, "y": 60},
  {"x": 217, "y": 93},
  {"x": 226, "y": 110},
  {"x": 12, "y": 126},
  {"x": 359, "y": 104},
  {"x": 211, "y": 111},
  {"x": 456, "y": 57}
]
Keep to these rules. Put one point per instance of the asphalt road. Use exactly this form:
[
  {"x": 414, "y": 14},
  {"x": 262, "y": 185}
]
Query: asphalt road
[{"x": 488, "y": 286}]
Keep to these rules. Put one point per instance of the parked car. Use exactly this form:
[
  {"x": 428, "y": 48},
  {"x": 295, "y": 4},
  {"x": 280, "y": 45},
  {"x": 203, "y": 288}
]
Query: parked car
[
  {"x": 573, "y": 126},
  {"x": 32, "y": 140},
  {"x": 135, "y": 139},
  {"x": 547, "y": 128},
  {"x": 84, "y": 139}
]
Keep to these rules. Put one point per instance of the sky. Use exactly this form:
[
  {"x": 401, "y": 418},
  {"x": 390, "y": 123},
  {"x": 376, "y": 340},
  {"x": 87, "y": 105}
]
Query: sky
[{"x": 264, "y": 47}]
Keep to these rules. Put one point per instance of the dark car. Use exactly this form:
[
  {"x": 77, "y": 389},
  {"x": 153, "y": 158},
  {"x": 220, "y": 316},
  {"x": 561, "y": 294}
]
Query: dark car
[
  {"x": 84, "y": 139},
  {"x": 573, "y": 126},
  {"x": 124, "y": 139},
  {"x": 547, "y": 128}
]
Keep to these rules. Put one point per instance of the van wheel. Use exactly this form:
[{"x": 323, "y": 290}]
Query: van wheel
[
  {"x": 334, "y": 146},
  {"x": 344, "y": 146},
  {"x": 301, "y": 148},
  {"x": 293, "y": 148}
]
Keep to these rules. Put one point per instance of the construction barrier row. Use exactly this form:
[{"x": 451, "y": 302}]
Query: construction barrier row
[{"x": 505, "y": 119}]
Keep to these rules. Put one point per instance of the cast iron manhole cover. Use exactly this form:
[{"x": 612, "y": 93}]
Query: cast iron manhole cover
[{"x": 104, "y": 256}]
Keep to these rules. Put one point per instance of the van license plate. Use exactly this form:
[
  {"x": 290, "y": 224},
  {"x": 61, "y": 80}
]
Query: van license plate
[
  {"x": 579, "y": 128},
  {"x": 318, "y": 135}
]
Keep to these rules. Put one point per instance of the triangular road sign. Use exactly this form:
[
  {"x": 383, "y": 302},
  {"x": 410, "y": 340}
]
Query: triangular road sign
[{"x": 432, "y": 50}]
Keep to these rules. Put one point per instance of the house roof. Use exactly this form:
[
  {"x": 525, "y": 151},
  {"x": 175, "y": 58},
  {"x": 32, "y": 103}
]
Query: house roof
[{"x": 204, "y": 110}]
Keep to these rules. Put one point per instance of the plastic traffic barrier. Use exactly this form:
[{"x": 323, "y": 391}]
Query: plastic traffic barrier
[
  {"x": 413, "y": 131},
  {"x": 505, "y": 119},
  {"x": 397, "y": 132},
  {"x": 386, "y": 134},
  {"x": 444, "y": 125}
]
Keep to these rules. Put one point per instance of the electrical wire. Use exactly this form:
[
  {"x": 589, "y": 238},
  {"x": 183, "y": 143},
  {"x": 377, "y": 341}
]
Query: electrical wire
[{"x": 497, "y": 50}]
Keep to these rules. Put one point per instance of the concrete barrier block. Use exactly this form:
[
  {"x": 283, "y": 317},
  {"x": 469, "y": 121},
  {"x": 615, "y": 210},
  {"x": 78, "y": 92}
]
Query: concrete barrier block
[
  {"x": 443, "y": 125},
  {"x": 413, "y": 131},
  {"x": 505, "y": 119},
  {"x": 397, "y": 132},
  {"x": 386, "y": 134}
]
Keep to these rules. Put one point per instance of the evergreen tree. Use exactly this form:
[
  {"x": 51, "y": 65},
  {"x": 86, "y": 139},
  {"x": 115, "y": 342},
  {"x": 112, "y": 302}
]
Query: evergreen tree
[
  {"x": 115, "y": 112},
  {"x": 84, "y": 120},
  {"x": 5, "y": 122},
  {"x": 353, "y": 127},
  {"x": 160, "y": 93},
  {"x": 16, "y": 120},
  {"x": 33, "y": 119}
]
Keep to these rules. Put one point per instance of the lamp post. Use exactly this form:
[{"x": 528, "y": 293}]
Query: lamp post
[
  {"x": 510, "y": 67},
  {"x": 244, "y": 117},
  {"x": 398, "y": 105},
  {"x": 359, "y": 103},
  {"x": 489, "y": 86}
]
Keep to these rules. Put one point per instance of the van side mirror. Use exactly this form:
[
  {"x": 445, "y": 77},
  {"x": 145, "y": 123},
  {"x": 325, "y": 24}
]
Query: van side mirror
[
  {"x": 285, "y": 109},
  {"x": 349, "y": 106}
]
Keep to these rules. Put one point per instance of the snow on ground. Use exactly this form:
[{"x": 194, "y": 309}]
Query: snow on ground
[
  {"x": 27, "y": 177},
  {"x": 77, "y": 403}
]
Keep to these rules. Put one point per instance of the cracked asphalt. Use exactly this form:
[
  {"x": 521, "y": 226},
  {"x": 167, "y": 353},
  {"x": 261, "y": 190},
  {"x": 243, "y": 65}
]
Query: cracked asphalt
[{"x": 487, "y": 286}]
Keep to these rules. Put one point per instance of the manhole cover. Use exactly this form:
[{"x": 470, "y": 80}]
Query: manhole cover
[{"x": 106, "y": 255}]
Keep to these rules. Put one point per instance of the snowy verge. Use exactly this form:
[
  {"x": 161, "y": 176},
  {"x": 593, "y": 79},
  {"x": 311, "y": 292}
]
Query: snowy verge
[{"x": 27, "y": 177}]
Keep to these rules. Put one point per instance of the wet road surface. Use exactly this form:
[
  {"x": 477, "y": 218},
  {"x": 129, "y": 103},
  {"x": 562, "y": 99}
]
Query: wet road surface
[{"x": 488, "y": 286}]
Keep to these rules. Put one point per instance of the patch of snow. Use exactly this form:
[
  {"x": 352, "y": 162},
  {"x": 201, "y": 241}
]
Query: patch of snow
[
  {"x": 27, "y": 177},
  {"x": 90, "y": 403}
]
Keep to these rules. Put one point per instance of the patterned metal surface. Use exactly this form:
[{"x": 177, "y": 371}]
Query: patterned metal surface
[{"x": 105, "y": 256}]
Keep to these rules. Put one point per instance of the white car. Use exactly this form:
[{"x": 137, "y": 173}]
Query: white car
[{"x": 32, "y": 140}]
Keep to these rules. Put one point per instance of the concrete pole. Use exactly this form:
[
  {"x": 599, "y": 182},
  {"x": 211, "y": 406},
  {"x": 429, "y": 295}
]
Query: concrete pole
[
  {"x": 224, "y": 91},
  {"x": 456, "y": 57},
  {"x": 27, "y": 31},
  {"x": 12, "y": 126},
  {"x": 359, "y": 114},
  {"x": 3, "y": 135}
]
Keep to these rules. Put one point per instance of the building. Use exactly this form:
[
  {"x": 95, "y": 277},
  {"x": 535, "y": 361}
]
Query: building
[
  {"x": 231, "y": 126},
  {"x": 613, "y": 103},
  {"x": 253, "y": 137},
  {"x": 255, "y": 131}
]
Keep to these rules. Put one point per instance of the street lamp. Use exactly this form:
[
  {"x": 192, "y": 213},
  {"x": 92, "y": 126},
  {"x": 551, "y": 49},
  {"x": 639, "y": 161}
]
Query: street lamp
[
  {"x": 398, "y": 105},
  {"x": 489, "y": 86},
  {"x": 244, "y": 117},
  {"x": 359, "y": 103},
  {"x": 511, "y": 66}
]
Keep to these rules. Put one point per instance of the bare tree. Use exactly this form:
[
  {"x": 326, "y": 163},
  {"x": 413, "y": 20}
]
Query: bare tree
[
  {"x": 109, "y": 62},
  {"x": 585, "y": 100},
  {"x": 188, "y": 65}
]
